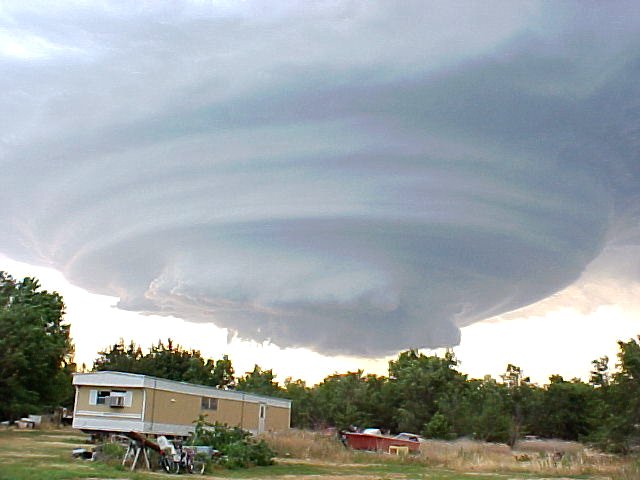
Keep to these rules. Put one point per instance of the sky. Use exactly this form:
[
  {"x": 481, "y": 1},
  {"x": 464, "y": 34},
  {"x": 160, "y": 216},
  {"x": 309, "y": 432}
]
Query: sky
[{"x": 316, "y": 186}]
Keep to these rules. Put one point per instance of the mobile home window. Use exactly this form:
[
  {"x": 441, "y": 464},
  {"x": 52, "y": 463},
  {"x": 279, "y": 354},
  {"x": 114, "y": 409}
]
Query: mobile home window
[
  {"x": 209, "y": 403},
  {"x": 101, "y": 399}
]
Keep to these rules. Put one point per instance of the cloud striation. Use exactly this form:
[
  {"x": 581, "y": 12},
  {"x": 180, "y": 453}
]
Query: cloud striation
[{"x": 353, "y": 177}]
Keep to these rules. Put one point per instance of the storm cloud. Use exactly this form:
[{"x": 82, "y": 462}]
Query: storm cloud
[{"x": 353, "y": 177}]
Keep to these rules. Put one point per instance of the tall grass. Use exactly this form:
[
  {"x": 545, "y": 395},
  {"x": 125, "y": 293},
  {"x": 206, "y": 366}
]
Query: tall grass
[
  {"x": 550, "y": 457},
  {"x": 539, "y": 456},
  {"x": 302, "y": 444}
]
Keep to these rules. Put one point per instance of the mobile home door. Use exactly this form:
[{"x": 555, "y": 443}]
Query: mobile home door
[{"x": 262, "y": 413}]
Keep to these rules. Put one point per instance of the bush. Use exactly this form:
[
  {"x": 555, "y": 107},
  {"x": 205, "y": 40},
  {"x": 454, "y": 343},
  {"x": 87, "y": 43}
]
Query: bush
[
  {"x": 112, "y": 450},
  {"x": 238, "y": 449},
  {"x": 437, "y": 427},
  {"x": 109, "y": 452}
]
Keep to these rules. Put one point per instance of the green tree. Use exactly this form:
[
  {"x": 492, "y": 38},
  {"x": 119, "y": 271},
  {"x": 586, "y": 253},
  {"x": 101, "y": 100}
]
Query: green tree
[
  {"x": 419, "y": 384},
  {"x": 166, "y": 361},
  {"x": 36, "y": 354},
  {"x": 600, "y": 377},
  {"x": 568, "y": 409},
  {"x": 437, "y": 427},
  {"x": 459, "y": 406},
  {"x": 223, "y": 373},
  {"x": 493, "y": 422},
  {"x": 349, "y": 399},
  {"x": 120, "y": 358},
  {"x": 520, "y": 396},
  {"x": 302, "y": 403},
  {"x": 261, "y": 382},
  {"x": 619, "y": 430},
  {"x": 380, "y": 401}
]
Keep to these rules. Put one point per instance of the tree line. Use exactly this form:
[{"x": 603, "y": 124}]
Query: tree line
[
  {"x": 427, "y": 394},
  {"x": 424, "y": 394}
]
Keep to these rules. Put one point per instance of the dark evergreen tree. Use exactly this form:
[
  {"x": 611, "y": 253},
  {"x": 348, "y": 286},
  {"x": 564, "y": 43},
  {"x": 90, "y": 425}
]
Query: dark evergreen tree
[
  {"x": 167, "y": 361},
  {"x": 260, "y": 381},
  {"x": 303, "y": 414},
  {"x": 419, "y": 384},
  {"x": 349, "y": 399}
]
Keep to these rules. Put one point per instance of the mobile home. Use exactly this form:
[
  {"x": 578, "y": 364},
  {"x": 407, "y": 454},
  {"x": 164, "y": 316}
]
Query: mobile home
[{"x": 126, "y": 402}]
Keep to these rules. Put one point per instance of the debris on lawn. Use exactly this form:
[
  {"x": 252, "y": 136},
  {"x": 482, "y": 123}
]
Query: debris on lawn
[{"x": 83, "y": 453}]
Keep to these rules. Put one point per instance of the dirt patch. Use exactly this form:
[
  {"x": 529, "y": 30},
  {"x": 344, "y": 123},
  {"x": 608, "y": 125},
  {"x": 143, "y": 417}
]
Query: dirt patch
[
  {"x": 24, "y": 454},
  {"x": 65, "y": 465},
  {"x": 65, "y": 437},
  {"x": 316, "y": 477},
  {"x": 338, "y": 477},
  {"x": 321, "y": 463},
  {"x": 483, "y": 473},
  {"x": 59, "y": 444}
]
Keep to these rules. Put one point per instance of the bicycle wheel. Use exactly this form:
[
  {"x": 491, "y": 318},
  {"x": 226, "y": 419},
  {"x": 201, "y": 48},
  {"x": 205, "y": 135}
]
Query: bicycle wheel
[
  {"x": 198, "y": 466},
  {"x": 187, "y": 463},
  {"x": 169, "y": 465}
]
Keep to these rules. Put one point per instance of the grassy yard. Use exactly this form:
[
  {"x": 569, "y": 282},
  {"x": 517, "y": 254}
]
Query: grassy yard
[{"x": 46, "y": 455}]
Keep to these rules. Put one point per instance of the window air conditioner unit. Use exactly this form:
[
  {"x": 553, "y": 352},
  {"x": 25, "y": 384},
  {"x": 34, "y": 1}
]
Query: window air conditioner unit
[{"x": 116, "y": 401}]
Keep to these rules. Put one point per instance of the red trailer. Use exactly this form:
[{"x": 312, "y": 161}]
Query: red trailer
[{"x": 381, "y": 443}]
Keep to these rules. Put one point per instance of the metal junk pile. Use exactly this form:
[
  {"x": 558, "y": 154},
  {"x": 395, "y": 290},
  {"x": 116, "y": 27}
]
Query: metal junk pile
[{"x": 173, "y": 456}]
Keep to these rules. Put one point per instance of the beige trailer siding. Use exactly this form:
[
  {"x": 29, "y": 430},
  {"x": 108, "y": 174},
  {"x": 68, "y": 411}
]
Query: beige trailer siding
[
  {"x": 84, "y": 401},
  {"x": 250, "y": 416},
  {"x": 278, "y": 418},
  {"x": 229, "y": 412},
  {"x": 164, "y": 407},
  {"x": 171, "y": 407},
  {"x": 90, "y": 415}
]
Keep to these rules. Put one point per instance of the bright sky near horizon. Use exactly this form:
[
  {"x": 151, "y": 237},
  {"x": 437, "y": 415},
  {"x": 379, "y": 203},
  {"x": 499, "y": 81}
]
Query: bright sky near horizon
[
  {"x": 562, "y": 341},
  {"x": 344, "y": 180}
]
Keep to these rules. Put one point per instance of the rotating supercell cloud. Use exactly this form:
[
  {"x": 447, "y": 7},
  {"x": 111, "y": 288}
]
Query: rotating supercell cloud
[{"x": 351, "y": 177}]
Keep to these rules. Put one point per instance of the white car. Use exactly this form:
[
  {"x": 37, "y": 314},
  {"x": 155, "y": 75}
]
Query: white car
[{"x": 412, "y": 437}]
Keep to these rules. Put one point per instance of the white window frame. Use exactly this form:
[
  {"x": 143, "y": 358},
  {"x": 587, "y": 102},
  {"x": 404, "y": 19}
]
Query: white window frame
[{"x": 94, "y": 396}]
